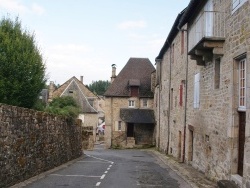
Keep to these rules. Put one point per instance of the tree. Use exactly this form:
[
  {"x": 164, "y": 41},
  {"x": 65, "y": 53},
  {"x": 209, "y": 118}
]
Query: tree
[
  {"x": 99, "y": 87},
  {"x": 65, "y": 106},
  {"x": 22, "y": 71}
]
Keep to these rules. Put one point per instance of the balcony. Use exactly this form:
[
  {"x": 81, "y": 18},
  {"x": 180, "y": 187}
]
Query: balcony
[{"x": 207, "y": 36}]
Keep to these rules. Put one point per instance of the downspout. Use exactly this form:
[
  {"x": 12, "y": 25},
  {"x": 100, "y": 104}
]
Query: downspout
[
  {"x": 159, "y": 104},
  {"x": 169, "y": 95},
  {"x": 185, "y": 104}
]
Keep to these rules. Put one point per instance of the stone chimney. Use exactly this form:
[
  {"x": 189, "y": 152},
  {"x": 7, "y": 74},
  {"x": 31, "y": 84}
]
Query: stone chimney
[
  {"x": 81, "y": 78},
  {"x": 113, "y": 72},
  {"x": 51, "y": 89}
]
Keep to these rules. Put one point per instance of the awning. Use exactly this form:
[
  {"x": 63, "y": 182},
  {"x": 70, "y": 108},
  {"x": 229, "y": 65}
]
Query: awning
[{"x": 131, "y": 115}]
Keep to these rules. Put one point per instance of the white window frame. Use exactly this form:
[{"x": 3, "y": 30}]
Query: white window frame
[
  {"x": 131, "y": 103},
  {"x": 197, "y": 90},
  {"x": 236, "y": 4},
  {"x": 145, "y": 102},
  {"x": 242, "y": 85}
]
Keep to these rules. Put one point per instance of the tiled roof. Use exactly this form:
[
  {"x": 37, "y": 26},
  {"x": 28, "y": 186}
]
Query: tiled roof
[
  {"x": 138, "y": 71},
  {"x": 131, "y": 115},
  {"x": 84, "y": 97}
]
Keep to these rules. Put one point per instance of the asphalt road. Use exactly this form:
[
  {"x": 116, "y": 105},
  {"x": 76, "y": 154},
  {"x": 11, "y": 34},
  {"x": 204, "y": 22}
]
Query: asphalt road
[{"x": 113, "y": 169}]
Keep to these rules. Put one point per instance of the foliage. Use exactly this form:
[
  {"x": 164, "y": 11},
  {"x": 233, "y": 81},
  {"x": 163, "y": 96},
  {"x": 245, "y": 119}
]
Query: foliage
[
  {"x": 99, "y": 87},
  {"x": 22, "y": 71},
  {"x": 65, "y": 106}
]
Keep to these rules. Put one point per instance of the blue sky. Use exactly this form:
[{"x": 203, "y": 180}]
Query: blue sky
[{"x": 85, "y": 37}]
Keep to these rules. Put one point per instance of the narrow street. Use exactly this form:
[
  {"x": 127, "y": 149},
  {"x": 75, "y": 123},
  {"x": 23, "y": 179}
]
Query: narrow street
[{"x": 113, "y": 169}]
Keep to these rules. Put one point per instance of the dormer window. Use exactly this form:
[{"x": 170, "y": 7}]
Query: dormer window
[
  {"x": 134, "y": 87},
  {"x": 145, "y": 102},
  {"x": 131, "y": 103},
  {"x": 71, "y": 91}
]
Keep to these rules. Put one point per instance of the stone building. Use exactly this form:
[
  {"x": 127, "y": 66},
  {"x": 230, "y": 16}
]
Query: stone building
[
  {"x": 88, "y": 101},
  {"x": 129, "y": 115},
  {"x": 202, "y": 101}
]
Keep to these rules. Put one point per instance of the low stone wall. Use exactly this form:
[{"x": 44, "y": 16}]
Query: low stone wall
[{"x": 32, "y": 142}]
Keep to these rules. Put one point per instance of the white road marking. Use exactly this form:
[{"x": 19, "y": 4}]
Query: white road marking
[
  {"x": 102, "y": 177},
  {"x": 98, "y": 184},
  {"x": 91, "y": 162},
  {"x": 75, "y": 175},
  {"x": 100, "y": 159},
  {"x": 105, "y": 172},
  {"x": 108, "y": 168}
]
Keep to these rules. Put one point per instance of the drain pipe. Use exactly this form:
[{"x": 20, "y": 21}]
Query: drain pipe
[
  {"x": 185, "y": 104},
  {"x": 169, "y": 93}
]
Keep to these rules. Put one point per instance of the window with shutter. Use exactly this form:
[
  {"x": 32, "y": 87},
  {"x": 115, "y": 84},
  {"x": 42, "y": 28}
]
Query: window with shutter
[{"x": 197, "y": 90}]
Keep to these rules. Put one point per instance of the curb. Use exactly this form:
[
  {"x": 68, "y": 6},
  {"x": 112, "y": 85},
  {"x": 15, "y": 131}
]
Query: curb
[{"x": 192, "y": 176}]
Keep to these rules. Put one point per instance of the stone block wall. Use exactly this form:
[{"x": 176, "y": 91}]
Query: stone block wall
[{"x": 32, "y": 142}]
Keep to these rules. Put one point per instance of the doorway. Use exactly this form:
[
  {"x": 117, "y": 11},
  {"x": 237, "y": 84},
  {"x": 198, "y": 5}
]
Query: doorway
[
  {"x": 242, "y": 125},
  {"x": 130, "y": 130}
]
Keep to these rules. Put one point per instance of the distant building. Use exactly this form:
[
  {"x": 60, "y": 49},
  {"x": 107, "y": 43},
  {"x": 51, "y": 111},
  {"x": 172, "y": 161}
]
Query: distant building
[{"x": 129, "y": 115}]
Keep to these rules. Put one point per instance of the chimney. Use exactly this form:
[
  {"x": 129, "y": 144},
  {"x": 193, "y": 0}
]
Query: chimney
[
  {"x": 51, "y": 89},
  {"x": 81, "y": 78},
  {"x": 113, "y": 72}
]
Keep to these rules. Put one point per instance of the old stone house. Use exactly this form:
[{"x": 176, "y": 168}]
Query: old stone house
[
  {"x": 90, "y": 110},
  {"x": 202, "y": 101},
  {"x": 129, "y": 114}
]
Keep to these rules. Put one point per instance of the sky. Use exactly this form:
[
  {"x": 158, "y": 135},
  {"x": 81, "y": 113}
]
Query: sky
[{"x": 85, "y": 37}]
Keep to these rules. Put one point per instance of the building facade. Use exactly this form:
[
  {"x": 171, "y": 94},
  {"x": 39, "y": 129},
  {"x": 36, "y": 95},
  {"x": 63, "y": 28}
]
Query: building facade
[
  {"x": 129, "y": 114},
  {"x": 202, "y": 92}
]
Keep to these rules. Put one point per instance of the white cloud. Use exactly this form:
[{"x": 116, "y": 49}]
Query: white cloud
[
  {"x": 132, "y": 24},
  {"x": 37, "y": 9},
  {"x": 13, "y": 6},
  {"x": 18, "y": 7}
]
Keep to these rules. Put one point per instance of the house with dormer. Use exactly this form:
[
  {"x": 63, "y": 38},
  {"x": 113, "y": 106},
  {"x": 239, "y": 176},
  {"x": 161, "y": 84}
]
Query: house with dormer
[{"x": 129, "y": 114}]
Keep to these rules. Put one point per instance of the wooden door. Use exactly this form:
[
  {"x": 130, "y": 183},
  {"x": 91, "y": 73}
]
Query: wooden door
[{"x": 242, "y": 124}]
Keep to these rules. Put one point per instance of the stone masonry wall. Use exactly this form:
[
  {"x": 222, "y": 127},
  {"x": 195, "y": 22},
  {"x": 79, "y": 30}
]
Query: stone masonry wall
[{"x": 32, "y": 142}]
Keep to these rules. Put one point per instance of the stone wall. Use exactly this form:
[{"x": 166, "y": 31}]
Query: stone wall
[{"x": 32, "y": 142}]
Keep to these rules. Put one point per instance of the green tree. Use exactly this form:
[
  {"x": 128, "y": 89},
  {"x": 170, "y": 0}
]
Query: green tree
[
  {"x": 99, "y": 87},
  {"x": 65, "y": 106},
  {"x": 22, "y": 71}
]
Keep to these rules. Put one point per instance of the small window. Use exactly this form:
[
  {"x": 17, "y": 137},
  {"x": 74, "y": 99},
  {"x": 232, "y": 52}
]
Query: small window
[
  {"x": 181, "y": 94},
  {"x": 145, "y": 102},
  {"x": 217, "y": 74},
  {"x": 131, "y": 103},
  {"x": 119, "y": 125},
  {"x": 71, "y": 91}
]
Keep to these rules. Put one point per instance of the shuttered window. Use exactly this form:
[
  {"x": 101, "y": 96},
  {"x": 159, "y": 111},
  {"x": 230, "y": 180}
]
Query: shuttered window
[
  {"x": 237, "y": 4},
  {"x": 197, "y": 90}
]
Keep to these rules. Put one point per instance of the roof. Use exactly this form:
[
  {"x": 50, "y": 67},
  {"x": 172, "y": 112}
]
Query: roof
[
  {"x": 137, "y": 72},
  {"x": 59, "y": 91},
  {"x": 85, "y": 97},
  {"x": 172, "y": 34},
  {"x": 131, "y": 115},
  {"x": 183, "y": 17}
]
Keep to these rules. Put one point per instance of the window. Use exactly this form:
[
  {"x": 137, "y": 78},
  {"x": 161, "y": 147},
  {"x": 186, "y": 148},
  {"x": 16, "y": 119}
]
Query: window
[
  {"x": 144, "y": 102},
  {"x": 237, "y": 4},
  {"x": 181, "y": 94},
  {"x": 119, "y": 125},
  {"x": 217, "y": 74},
  {"x": 131, "y": 103},
  {"x": 197, "y": 90},
  {"x": 242, "y": 84},
  {"x": 71, "y": 91}
]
